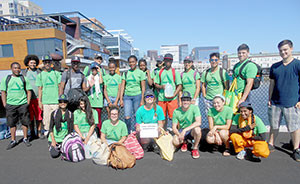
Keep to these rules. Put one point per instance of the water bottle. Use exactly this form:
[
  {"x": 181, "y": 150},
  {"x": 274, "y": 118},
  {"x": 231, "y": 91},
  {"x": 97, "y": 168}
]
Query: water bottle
[{"x": 169, "y": 90}]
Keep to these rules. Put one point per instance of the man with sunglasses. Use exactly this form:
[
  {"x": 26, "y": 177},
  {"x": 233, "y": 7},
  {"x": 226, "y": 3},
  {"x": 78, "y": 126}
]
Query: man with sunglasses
[
  {"x": 48, "y": 83},
  {"x": 73, "y": 84},
  {"x": 214, "y": 81},
  {"x": 186, "y": 125}
]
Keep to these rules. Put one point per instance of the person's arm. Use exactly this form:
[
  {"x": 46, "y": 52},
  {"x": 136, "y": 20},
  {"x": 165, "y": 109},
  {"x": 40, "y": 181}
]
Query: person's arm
[
  {"x": 3, "y": 98},
  {"x": 224, "y": 127},
  {"x": 210, "y": 123},
  {"x": 103, "y": 137},
  {"x": 121, "y": 141},
  {"x": 118, "y": 96},
  {"x": 76, "y": 128},
  {"x": 51, "y": 126},
  {"x": 40, "y": 97},
  {"x": 260, "y": 137},
  {"x": 85, "y": 88},
  {"x": 106, "y": 95},
  {"x": 197, "y": 123},
  {"x": 247, "y": 90},
  {"x": 143, "y": 84},
  {"x": 197, "y": 92},
  {"x": 236, "y": 129},
  {"x": 90, "y": 133},
  {"x": 62, "y": 87},
  {"x": 178, "y": 89},
  {"x": 203, "y": 89},
  {"x": 150, "y": 81},
  {"x": 28, "y": 96},
  {"x": 175, "y": 129},
  {"x": 271, "y": 89},
  {"x": 122, "y": 92}
]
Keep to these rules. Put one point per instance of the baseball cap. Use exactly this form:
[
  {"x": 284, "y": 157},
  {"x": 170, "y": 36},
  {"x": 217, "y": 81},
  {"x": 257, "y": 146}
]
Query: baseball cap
[
  {"x": 46, "y": 58},
  {"x": 246, "y": 104},
  {"x": 148, "y": 92},
  {"x": 159, "y": 59},
  {"x": 168, "y": 57},
  {"x": 186, "y": 94},
  {"x": 94, "y": 65},
  {"x": 98, "y": 56},
  {"x": 75, "y": 59},
  {"x": 63, "y": 97},
  {"x": 188, "y": 59}
]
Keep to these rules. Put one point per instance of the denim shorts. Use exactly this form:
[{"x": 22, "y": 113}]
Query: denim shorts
[
  {"x": 112, "y": 100},
  {"x": 131, "y": 104}
]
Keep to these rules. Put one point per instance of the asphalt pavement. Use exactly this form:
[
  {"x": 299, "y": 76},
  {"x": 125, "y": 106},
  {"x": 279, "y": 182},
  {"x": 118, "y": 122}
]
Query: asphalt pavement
[{"x": 33, "y": 165}]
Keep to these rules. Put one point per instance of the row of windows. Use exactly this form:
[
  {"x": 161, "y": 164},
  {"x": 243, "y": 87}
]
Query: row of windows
[{"x": 6, "y": 51}]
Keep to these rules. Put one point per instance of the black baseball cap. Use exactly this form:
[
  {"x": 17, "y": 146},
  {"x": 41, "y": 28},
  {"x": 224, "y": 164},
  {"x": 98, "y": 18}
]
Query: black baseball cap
[
  {"x": 148, "y": 92},
  {"x": 168, "y": 57},
  {"x": 246, "y": 104},
  {"x": 63, "y": 97},
  {"x": 46, "y": 58},
  {"x": 188, "y": 59},
  {"x": 186, "y": 94},
  {"x": 75, "y": 59}
]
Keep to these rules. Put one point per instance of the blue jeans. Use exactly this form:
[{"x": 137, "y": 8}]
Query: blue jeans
[{"x": 131, "y": 105}]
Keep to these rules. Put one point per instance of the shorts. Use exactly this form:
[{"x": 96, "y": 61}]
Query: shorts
[
  {"x": 34, "y": 110},
  {"x": 188, "y": 135},
  {"x": 112, "y": 100},
  {"x": 48, "y": 108},
  {"x": 16, "y": 113},
  {"x": 169, "y": 106},
  {"x": 290, "y": 114}
]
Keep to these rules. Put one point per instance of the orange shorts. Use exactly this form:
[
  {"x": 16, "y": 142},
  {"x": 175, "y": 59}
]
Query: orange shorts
[{"x": 168, "y": 106}]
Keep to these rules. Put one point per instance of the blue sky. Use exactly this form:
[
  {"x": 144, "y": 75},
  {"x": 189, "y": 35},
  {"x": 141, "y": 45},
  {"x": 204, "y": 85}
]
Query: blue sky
[{"x": 225, "y": 23}]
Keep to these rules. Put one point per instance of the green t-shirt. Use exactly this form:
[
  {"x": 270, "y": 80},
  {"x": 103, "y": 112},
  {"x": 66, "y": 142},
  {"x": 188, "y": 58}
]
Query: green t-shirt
[
  {"x": 220, "y": 118},
  {"x": 81, "y": 120},
  {"x": 86, "y": 69},
  {"x": 112, "y": 83},
  {"x": 31, "y": 76},
  {"x": 186, "y": 118},
  {"x": 49, "y": 81},
  {"x": 189, "y": 82},
  {"x": 114, "y": 132},
  {"x": 148, "y": 116},
  {"x": 213, "y": 82},
  {"x": 59, "y": 136},
  {"x": 133, "y": 82},
  {"x": 15, "y": 93},
  {"x": 96, "y": 102},
  {"x": 167, "y": 77},
  {"x": 153, "y": 75},
  {"x": 249, "y": 72},
  {"x": 258, "y": 129}
]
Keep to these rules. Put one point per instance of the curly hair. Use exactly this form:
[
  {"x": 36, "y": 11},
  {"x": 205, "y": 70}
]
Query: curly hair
[{"x": 31, "y": 57}]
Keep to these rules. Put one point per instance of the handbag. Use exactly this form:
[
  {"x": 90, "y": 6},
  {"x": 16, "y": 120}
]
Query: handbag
[
  {"x": 120, "y": 157},
  {"x": 100, "y": 152},
  {"x": 232, "y": 97},
  {"x": 165, "y": 143},
  {"x": 132, "y": 144}
]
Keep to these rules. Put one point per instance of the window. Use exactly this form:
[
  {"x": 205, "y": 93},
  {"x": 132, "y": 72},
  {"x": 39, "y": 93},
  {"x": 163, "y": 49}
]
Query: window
[
  {"x": 11, "y": 5},
  {"x": 11, "y": 11},
  {"x": 0, "y": 5},
  {"x": 41, "y": 47},
  {"x": 21, "y": 8},
  {"x": 6, "y": 51},
  {"x": 1, "y": 12}
]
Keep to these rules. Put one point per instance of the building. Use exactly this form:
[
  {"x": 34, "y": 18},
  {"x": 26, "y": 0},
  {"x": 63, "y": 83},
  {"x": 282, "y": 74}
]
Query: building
[
  {"x": 152, "y": 54},
  {"x": 201, "y": 54},
  {"x": 10, "y": 9},
  {"x": 179, "y": 52}
]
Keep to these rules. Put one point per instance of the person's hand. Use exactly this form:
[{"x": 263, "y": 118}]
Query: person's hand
[
  {"x": 121, "y": 103},
  {"x": 115, "y": 103},
  {"x": 210, "y": 133},
  {"x": 137, "y": 128},
  {"x": 241, "y": 101},
  {"x": 181, "y": 135},
  {"x": 142, "y": 103},
  {"x": 252, "y": 126},
  {"x": 85, "y": 141},
  {"x": 92, "y": 81},
  {"x": 218, "y": 140},
  {"x": 163, "y": 87},
  {"x": 41, "y": 105},
  {"x": 109, "y": 104},
  {"x": 297, "y": 105},
  {"x": 193, "y": 101},
  {"x": 53, "y": 144},
  {"x": 269, "y": 103}
]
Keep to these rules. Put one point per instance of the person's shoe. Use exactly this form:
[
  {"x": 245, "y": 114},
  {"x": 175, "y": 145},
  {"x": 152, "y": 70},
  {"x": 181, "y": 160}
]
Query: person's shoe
[
  {"x": 184, "y": 147},
  {"x": 11, "y": 145},
  {"x": 195, "y": 153},
  {"x": 271, "y": 147},
  {"x": 41, "y": 135},
  {"x": 241, "y": 155},
  {"x": 26, "y": 142},
  {"x": 296, "y": 155}
]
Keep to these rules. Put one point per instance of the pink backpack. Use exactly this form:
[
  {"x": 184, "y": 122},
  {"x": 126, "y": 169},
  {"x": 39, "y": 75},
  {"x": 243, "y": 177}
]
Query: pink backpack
[{"x": 133, "y": 145}]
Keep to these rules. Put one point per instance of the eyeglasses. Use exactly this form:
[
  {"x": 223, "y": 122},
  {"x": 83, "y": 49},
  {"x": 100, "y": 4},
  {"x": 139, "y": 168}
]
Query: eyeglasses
[
  {"x": 149, "y": 96},
  {"x": 214, "y": 60},
  {"x": 63, "y": 101},
  {"x": 114, "y": 114},
  {"x": 186, "y": 99}
]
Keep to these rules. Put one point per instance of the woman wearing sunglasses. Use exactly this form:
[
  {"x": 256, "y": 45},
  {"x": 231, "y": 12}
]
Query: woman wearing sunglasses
[
  {"x": 149, "y": 113},
  {"x": 61, "y": 124}
]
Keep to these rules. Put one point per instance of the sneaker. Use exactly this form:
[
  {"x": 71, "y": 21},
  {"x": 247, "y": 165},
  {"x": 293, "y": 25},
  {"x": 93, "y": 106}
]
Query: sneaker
[
  {"x": 26, "y": 142},
  {"x": 271, "y": 147},
  {"x": 195, "y": 153},
  {"x": 183, "y": 147},
  {"x": 296, "y": 155},
  {"x": 11, "y": 145},
  {"x": 241, "y": 155}
]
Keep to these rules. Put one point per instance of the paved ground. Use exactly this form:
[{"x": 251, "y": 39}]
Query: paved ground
[{"x": 34, "y": 165}]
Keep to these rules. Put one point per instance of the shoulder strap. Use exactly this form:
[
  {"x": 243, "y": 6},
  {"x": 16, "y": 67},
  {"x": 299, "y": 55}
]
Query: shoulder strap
[
  {"x": 241, "y": 69},
  {"x": 25, "y": 72},
  {"x": 24, "y": 82},
  {"x": 173, "y": 73},
  {"x": 89, "y": 71},
  {"x": 7, "y": 81},
  {"x": 206, "y": 73},
  {"x": 54, "y": 113},
  {"x": 125, "y": 75},
  {"x": 160, "y": 72},
  {"x": 222, "y": 78},
  {"x": 69, "y": 78}
]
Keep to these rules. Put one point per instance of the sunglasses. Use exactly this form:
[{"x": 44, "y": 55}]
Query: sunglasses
[
  {"x": 63, "y": 101},
  {"x": 214, "y": 60},
  {"x": 149, "y": 96},
  {"x": 186, "y": 99},
  {"x": 47, "y": 62}
]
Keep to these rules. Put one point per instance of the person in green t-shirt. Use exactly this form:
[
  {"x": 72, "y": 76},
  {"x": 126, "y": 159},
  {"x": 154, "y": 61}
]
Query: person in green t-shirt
[
  {"x": 143, "y": 67},
  {"x": 113, "y": 130},
  {"x": 219, "y": 119},
  {"x": 112, "y": 86},
  {"x": 169, "y": 84},
  {"x": 31, "y": 72},
  {"x": 148, "y": 114},
  {"x": 249, "y": 73},
  {"x": 95, "y": 94},
  {"x": 248, "y": 130},
  {"x": 85, "y": 122},
  {"x": 212, "y": 83},
  {"x": 16, "y": 95},
  {"x": 48, "y": 82},
  {"x": 61, "y": 124},
  {"x": 97, "y": 61},
  {"x": 191, "y": 80},
  {"x": 159, "y": 66},
  {"x": 133, "y": 88},
  {"x": 186, "y": 124}
]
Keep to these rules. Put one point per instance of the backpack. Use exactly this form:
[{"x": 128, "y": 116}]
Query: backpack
[
  {"x": 221, "y": 76},
  {"x": 132, "y": 144},
  {"x": 22, "y": 78},
  {"x": 4, "y": 131},
  {"x": 72, "y": 148},
  {"x": 74, "y": 94},
  {"x": 173, "y": 73},
  {"x": 120, "y": 157},
  {"x": 100, "y": 152},
  {"x": 195, "y": 73},
  {"x": 258, "y": 77}
]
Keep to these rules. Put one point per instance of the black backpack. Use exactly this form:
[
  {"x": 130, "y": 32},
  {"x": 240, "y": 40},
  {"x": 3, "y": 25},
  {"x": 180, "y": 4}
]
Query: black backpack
[
  {"x": 74, "y": 94},
  {"x": 221, "y": 76},
  {"x": 257, "y": 78},
  {"x": 22, "y": 78}
]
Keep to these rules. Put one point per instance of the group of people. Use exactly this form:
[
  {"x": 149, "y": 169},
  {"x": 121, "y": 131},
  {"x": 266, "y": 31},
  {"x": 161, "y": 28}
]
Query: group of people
[{"x": 62, "y": 102}]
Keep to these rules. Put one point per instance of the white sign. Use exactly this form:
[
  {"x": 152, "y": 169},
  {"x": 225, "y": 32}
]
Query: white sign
[{"x": 149, "y": 130}]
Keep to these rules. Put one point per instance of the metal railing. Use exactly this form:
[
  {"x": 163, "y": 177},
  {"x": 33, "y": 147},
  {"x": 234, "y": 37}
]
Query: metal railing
[{"x": 30, "y": 26}]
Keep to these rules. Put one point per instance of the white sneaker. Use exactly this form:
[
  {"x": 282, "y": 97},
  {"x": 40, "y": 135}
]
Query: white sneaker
[{"x": 241, "y": 155}]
